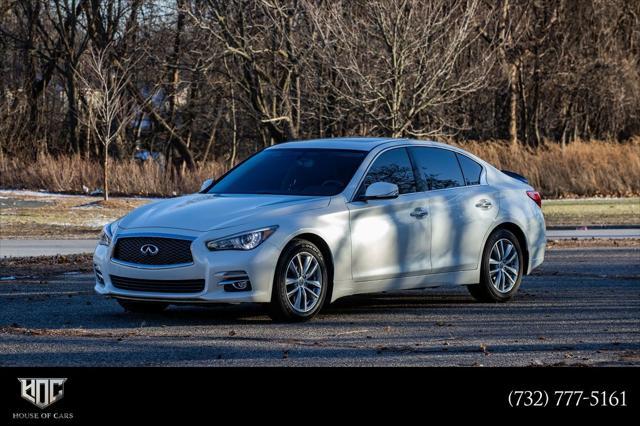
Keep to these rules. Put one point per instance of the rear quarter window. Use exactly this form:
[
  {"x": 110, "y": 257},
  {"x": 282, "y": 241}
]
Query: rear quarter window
[{"x": 470, "y": 169}]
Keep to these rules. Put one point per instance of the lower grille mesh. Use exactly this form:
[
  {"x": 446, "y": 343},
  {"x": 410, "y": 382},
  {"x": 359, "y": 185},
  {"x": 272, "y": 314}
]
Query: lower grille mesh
[{"x": 160, "y": 286}]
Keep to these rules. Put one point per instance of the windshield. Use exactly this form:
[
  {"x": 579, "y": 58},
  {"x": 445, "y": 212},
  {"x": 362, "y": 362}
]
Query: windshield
[{"x": 292, "y": 171}]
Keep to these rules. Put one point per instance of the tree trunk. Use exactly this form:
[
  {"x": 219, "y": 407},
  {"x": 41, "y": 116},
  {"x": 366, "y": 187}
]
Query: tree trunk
[
  {"x": 174, "y": 75},
  {"x": 105, "y": 173},
  {"x": 234, "y": 140},
  {"x": 72, "y": 109},
  {"x": 89, "y": 133},
  {"x": 534, "y": 109},
  {"x": 513, "y": 108},
  {"x": 212, "y": 138}
]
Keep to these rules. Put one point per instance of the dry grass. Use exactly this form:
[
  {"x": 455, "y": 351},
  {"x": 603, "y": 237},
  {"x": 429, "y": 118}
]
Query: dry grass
[
  {"x": 592, "y": 211},
  {"x": 582, "y": 169},
  {"x": 71, "y": 173}
]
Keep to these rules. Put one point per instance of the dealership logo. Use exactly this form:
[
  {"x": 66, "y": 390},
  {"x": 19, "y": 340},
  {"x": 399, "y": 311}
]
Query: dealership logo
[
  {"x": 42, "y": 392},
  {"x": 149, "y": 250}
]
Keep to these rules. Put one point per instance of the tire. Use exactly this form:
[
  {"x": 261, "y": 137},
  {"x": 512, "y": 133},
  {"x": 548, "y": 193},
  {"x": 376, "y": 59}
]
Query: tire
[
  {"x": 142, "y": 307},
  {"x": 498, "y": 282},
  {"x": 299, "y": 297}
]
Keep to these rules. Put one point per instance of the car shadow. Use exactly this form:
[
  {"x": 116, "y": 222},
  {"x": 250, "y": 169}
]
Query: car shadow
[{"x": 254, "y": 313}]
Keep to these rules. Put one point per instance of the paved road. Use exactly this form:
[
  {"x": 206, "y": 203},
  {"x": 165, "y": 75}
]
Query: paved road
[
  {"x": 20, "y": 248},
  {"x": 577, "y": 309},
  {"x": 23, "y": 248}
]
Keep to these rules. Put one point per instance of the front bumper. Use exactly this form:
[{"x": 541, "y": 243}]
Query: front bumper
[{"x": 259, "y": 264}]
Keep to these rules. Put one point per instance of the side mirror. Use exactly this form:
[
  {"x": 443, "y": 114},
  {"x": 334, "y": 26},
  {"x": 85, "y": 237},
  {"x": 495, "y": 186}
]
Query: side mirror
[
  {"x": 381, "y": 191},
  {"x": 207, "y": 183}
]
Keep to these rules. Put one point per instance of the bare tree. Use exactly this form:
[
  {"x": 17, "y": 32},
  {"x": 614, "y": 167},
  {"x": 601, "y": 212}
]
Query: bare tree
[
  {"x": 219, "y": 79},
  {"x": 111, "y": 109},
  {"x": 262, "y": 41},
  {"x": 399, "y": 62}
]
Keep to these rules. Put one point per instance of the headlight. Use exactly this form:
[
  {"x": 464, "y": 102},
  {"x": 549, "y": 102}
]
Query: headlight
[
  {"x": 244, "y": 241},
  {"x": 105, "y": 239},
  {"x": 107, "y": 233}
]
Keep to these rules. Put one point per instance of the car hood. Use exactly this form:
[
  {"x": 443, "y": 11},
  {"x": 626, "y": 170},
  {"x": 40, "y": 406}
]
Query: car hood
[{"x": 204, "y": 212}]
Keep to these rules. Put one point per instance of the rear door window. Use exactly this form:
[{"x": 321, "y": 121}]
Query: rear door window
[{"x": 436, "y": 168}]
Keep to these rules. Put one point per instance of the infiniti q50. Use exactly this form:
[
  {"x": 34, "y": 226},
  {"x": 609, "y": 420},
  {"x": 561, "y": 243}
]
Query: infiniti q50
[{"x": 301, "y": 224}]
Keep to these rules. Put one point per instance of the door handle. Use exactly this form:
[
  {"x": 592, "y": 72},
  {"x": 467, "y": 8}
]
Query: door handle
[
  {"x": 484, "y": 204},
  {"x": 419, "y": 213}
]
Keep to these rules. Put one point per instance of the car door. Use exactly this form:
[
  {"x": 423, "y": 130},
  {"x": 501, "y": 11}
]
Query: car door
[
  {"x": 390, "y": 238},
  {"x": 461, "y": 209},
  {"x": 479, "y": 204}
]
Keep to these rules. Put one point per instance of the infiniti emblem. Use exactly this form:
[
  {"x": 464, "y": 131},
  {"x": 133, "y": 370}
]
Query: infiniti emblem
[{"x": 149, "y": 250}]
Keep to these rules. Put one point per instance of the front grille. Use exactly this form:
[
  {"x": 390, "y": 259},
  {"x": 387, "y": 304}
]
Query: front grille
[
  {"x": 170, "y": 251},
  {"x": 160, "y": 286}
]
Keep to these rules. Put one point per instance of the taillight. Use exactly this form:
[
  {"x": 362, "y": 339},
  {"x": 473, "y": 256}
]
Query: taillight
[{"x": 535, "y": 196}]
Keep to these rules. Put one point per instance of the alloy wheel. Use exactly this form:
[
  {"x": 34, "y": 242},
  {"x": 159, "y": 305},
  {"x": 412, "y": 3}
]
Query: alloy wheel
[
  {"x": 303, "y": 282},
  {"x": 504, "y": 265}
]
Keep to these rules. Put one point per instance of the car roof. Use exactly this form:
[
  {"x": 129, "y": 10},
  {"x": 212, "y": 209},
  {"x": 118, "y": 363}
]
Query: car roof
[{"x": 358, "y": 143}]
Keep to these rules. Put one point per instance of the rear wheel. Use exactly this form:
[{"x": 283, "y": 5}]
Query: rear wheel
[
  {"x": 502, "y": 268},
  {"x": 300, "y": 283},
  {"x": 142, "y": 307}
]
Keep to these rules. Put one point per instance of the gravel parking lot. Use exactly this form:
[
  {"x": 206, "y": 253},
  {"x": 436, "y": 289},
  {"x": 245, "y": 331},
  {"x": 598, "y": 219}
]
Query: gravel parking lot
[{"x": 581, "y": 308}]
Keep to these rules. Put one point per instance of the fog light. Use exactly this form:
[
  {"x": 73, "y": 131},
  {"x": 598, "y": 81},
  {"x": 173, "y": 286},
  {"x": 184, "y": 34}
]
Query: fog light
[
  {"x": 240, "y": 285},
  {"x": 234, "y": 281}
]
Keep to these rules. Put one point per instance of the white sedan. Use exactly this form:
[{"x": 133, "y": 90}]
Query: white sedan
[{"x": 301, "y": 224}]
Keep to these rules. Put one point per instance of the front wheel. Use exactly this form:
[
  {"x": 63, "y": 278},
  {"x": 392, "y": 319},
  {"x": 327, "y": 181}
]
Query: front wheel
[
  {"x": 502, "y": 268},
  {"x": 300, "y": 283}
]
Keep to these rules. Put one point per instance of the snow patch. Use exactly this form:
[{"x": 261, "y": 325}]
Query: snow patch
[
  {"x": 28, "y": 193},
  {"x": 95, "y": 223},
  {"x": 36, "y": 193}
]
